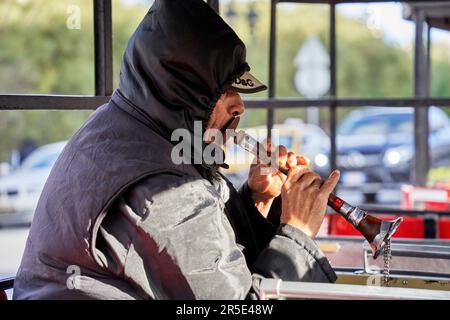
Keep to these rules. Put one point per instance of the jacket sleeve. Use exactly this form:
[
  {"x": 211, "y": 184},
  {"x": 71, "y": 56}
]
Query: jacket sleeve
[
  {"x": 293, "y": 256},
  {"x": 264, "y": 229},
  {"x": 174, "y": 242},
  {"x": 289, "y": 254}
]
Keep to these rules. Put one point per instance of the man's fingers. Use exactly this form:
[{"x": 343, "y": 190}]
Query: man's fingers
[
  {"x": 282, "y": 177},
  {"x": 329, "y": 185},
  {"x": 282, "y": 157},
  {"x": 291, "y": 160},
  {"x": 302, "y": 160},
  {"x": 282, "y": 153},
  {"x": 294, "y": 174},
  {"x": 263, "y": 169},
  {"x": 294, "y": 160},
  {"x": 269, "y": 170},
  {"x": 310, "y": 178}
]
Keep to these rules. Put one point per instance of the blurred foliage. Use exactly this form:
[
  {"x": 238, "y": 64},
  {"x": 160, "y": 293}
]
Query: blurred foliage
[
  {"x": 441, "y": 175},
  {"x": 39, "y": 54},
  {"x": 440, "y": 73}
]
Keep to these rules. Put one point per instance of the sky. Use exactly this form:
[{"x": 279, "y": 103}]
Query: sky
[{"x": 388, "y": 19}]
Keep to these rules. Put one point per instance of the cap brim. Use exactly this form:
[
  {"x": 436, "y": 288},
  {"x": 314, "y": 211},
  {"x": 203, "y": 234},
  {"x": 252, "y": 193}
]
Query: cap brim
[{"x": 247, "y": 83}]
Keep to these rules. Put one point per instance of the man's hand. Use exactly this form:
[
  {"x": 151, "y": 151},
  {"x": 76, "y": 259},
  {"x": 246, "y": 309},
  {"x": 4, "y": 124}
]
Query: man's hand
[
  {"x": 266, "y": 182},
  {"x": 304, "y": 199}
]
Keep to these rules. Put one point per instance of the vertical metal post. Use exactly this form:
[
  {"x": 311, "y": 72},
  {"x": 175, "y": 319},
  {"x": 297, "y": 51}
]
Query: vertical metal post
[
  {"x": 272, "y": 61},
  {"x": 428, "y": 64},
  {"x": 421, "y": 130},
  {"x": 103, "y": 47},
  {"x": 333, "y": 86},
  {"x": 214, "y": 4}
]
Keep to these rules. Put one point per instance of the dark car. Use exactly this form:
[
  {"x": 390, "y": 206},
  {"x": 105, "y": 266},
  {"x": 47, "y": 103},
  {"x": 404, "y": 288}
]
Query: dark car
[{"x": 375, "y": 147}]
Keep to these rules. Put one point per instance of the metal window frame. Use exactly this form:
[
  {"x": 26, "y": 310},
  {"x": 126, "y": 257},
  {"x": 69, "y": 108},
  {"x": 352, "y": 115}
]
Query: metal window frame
[
  {"x": 420, "y": 102},
  {"x": 103, "y": 56},
  {"x": 103, "y": 69}
]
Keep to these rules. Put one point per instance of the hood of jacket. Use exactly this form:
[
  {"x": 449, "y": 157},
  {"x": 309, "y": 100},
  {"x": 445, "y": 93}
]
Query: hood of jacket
[{"x": 178, "y": 62}]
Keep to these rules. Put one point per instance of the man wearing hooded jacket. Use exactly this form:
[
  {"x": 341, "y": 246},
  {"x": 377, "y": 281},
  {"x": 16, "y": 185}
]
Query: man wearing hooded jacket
[{"x": 118, "y": 219}]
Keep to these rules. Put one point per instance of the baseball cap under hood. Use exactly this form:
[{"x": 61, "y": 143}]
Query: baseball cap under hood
[{"x": 178, "y": 62}]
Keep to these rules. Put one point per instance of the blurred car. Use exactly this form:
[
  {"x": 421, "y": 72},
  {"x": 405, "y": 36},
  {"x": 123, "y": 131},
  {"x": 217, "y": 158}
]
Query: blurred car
[
  {"x": 301, "y": 138},
  {"x": 21, "y": 188},
  {"x": 375, "y": 147}
]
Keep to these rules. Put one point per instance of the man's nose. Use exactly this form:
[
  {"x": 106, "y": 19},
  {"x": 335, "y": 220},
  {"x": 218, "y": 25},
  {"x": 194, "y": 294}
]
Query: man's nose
[{"x": 237, "y": 107}]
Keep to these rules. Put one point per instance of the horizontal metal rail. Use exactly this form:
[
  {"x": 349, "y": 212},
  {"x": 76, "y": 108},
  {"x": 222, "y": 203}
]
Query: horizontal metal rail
[
  {"x": 281, "y": 103},
  {"x": 360, "y": 240},
  {"x": 64, "y": 102},
  {"x": 397, "y": 274},
  {"x": 275, "y": 288},
  {"x": 415, "y": 250},
  {"x": 410, "y": 250},
  {"x": 388, "y": 211},
  {"x": 50, "y": 102}
]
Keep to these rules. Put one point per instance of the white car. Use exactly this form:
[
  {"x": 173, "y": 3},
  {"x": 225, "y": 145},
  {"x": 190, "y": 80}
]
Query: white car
[{"x": 20, "y": 190}]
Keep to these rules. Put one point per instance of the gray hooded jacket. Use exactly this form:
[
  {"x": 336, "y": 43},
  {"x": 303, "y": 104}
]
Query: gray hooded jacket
[{"x": 117, "y": 219}]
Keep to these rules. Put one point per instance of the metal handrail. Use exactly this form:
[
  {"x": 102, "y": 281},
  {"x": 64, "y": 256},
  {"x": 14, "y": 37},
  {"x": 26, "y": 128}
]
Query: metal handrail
[
  {"x": 408, "y": 250},
  {"x": 276, "y": 288},
  {"x": 415, "y": 250}
]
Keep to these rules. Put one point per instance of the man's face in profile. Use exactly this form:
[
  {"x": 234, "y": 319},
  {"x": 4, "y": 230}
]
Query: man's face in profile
[{"x": 229, "y": 104}]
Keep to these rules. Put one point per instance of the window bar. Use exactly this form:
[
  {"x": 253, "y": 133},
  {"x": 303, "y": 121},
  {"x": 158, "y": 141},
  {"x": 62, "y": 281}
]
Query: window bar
[
  {"x": 50, "y": 102},
  {"x": 103, "y": 47},
  {"x": 421, "y": 131},
  {"x": 428, "y": 60},
  {"x": 333, "y": 86},
  {"x": 279, "y": 103},
  {"x": 272, "y": 61}
]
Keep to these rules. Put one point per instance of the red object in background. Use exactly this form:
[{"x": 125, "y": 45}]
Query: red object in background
[
  {"x": 338, "y": 226},
  {"x": 442, "y": 185},
  {"x": 444, "y": 228},
  {"x": 411, "y": 227},
  {"x": 437, "y": 206},
  {"x": 406, "y": 201},
  {"x": 436, "y": 198}
]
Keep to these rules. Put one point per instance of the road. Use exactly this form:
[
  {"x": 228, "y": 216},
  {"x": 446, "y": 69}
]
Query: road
[{"x": 12, "y": 244}]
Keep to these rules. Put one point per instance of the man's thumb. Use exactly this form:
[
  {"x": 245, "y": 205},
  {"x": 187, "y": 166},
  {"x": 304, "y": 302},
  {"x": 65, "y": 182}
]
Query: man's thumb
[{"x": 332, "y": 181}]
